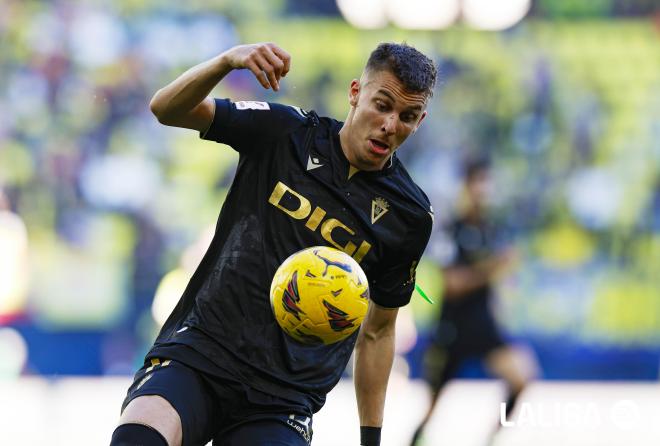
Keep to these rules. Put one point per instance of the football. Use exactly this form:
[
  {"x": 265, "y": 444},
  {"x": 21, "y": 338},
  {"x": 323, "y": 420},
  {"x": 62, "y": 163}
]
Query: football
[{"x": 319, "y": 295}]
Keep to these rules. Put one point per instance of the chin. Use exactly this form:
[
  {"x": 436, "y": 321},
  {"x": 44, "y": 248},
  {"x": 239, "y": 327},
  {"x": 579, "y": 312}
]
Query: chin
[{"x": 372, "y": 165}]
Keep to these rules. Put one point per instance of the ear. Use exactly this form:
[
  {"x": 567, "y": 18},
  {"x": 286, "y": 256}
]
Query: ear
[
  {"x": 354, "y": 92},
  {"x": 421, "y": 118}
]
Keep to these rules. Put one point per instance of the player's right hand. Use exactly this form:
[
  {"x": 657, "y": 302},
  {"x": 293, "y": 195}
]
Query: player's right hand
[{"x": 267, "y": 61}]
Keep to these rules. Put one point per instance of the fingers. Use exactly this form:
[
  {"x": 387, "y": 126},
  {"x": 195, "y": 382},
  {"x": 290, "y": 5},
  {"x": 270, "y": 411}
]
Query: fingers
[
  {"x": 269, "y": 63},
  {"x": 272, "y": 67},
  {"x": 258, "y": 73},
  {"x": 284, "y": 57}
]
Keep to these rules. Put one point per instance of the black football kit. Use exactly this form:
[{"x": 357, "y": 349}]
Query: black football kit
[
  {"x": 293, "y": 188},
  {"x": 466, "y": 328}
]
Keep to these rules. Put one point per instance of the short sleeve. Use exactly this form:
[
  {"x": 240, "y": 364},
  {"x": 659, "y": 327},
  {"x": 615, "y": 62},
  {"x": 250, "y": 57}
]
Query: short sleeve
[
  {"x": 248, "y": 125},
  {"x": 394, "y": 285}
]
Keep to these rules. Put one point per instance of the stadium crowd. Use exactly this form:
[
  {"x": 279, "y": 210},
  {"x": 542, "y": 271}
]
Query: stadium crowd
[{"x": 565, "y": 111}]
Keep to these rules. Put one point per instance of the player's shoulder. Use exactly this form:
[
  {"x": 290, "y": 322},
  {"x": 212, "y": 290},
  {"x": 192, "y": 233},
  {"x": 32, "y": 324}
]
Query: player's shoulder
[
  {"x": 297, "y": 117},
  {"x": 227, "y": 110},
  {"x": 325, "y": 128},
  {"x": 291, "y": 112},
  {"x": 240, "y": 122},
  {"x": 326, "y": 125},
  {"x": 328, "y": 122},
  {"x": 411, "y": 191}
]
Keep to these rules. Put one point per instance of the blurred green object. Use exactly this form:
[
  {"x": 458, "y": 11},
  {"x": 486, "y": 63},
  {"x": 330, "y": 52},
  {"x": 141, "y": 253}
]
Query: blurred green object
[
  {"x": 16, "y": 164},
  {"x": 423, "y": 294},
  {"x": 430, "y": 274}
]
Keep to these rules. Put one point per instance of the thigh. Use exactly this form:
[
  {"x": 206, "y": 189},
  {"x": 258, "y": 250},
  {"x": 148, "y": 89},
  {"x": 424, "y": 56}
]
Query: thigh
[
  {"x": 272, "y": 431},
  {"x": 166, "y": 391}
]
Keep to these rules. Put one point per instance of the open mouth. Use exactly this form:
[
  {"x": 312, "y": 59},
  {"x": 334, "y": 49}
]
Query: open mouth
[{"x": 379, "y": 147}]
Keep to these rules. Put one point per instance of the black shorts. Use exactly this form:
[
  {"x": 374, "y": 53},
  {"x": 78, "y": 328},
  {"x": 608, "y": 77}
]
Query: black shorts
[
  {"x": 228, "y": 412},
  {"x": 460, "y": 336}
]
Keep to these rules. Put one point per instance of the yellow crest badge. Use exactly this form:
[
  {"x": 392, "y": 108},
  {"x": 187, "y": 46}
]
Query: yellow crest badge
[{"x": 379, "y": 207}]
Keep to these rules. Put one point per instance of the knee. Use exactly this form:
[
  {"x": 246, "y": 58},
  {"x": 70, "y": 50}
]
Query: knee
[{"x": 157, "y": 413}]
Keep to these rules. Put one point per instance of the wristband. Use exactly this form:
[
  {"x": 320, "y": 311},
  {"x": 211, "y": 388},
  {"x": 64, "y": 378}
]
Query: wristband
[{"x": 369, "y": 436}]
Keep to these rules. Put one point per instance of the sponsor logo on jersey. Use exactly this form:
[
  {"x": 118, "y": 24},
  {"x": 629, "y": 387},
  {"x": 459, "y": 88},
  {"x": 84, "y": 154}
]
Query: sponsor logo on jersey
[
  {"x": 379, "y": 207},
  {"x": 338, "y": 319},
  {"x": 252, "y": 105},
  {"x": 298, "y": 207}
]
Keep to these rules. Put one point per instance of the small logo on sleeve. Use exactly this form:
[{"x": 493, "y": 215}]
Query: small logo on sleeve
[
  {"x": 252, "y": 105},
  {"x": 379, "y": 207}
]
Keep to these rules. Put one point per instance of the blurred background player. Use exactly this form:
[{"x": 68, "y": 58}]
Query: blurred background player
[{"x": 466, "y": 328}]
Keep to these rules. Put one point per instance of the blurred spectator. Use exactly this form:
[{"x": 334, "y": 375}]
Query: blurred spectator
[
  {"x": 13, "y": 262},
  {"x": 173, "y": 284},
  {"x": 568, "y": 111}
]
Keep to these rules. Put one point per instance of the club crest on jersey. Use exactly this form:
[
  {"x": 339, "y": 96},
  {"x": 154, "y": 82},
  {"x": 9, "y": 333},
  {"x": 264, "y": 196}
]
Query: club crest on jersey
[
  {"x": 379, "y": 207},
  {"x": 252, "y": 105}
]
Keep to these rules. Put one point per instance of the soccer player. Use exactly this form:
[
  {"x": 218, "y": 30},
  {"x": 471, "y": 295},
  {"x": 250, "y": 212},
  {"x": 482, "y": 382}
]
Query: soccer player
[
  {"x": 221, "y": 368},
  {"x": 467, "y": 328}
]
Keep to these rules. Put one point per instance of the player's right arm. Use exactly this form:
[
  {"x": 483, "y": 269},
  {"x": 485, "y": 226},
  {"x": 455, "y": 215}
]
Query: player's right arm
[
  {"x": 185, "y": 102},
  {"x": 460, "y": 280}
]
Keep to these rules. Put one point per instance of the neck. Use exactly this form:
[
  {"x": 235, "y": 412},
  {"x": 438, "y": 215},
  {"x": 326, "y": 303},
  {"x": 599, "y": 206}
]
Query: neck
[{"x": 344, "y": 142}]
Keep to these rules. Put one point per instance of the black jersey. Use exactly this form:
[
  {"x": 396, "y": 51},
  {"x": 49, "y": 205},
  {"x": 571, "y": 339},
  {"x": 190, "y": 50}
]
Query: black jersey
[
  {"x": 291, "y": 191},
  {"x": 474, "y": 242},
  {"x": 467, "y": 326}
]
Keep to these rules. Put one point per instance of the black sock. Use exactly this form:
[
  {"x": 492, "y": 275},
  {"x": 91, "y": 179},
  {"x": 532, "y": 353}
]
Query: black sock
[
  {"x": 135, "y": 434},
  {"x": 510, "y": 403},
  {"x": 416, "y": 436}
]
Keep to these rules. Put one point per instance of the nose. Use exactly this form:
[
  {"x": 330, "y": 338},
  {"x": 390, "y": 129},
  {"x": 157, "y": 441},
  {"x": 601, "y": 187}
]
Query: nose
[{"x": 389, "y": 124}]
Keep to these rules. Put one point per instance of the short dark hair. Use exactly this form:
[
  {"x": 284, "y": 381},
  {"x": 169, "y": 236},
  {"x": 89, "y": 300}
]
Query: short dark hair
[{"x": 415, "y": 70}]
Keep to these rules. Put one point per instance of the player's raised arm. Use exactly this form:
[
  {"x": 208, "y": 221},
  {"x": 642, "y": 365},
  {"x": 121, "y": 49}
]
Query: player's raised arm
[
  {"x": 185, "y": 102},
  {"x": 374, "y": 354}
]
